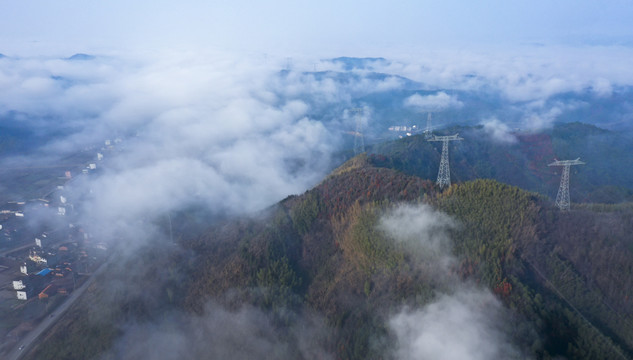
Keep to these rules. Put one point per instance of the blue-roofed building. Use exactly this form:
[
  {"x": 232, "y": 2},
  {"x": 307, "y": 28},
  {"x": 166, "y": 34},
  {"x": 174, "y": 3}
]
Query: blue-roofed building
[{"x": 44, "y": 272}]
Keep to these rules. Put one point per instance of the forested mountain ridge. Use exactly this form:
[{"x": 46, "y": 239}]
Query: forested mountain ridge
[
  {"x": 564, "y": 276},
  {"x": 513, "y": 242}
]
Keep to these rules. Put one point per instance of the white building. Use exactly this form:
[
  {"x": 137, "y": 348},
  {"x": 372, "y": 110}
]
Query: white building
[
  {"x": 38, "y": 242},
  {"x": 61, "y": 210},
  {"x": 18, "y": 285},
  {"x": 24, "y": 270},
  {"x": 22, "y": 295}
]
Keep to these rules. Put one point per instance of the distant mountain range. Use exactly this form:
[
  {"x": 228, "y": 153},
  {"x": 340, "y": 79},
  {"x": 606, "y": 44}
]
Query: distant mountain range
[
  {"x": 476, "y": 103},
  {"x": 80, "y": 57}
]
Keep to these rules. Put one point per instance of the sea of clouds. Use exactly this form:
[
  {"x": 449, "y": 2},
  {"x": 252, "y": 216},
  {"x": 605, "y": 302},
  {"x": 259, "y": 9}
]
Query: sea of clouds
[{"x": 236, "y": 134}]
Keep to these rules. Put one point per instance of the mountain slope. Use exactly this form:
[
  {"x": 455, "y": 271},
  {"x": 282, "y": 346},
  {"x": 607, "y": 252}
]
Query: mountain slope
[
  {"x": 324, "y": 248},
  {"x": 325, "y": 254}
]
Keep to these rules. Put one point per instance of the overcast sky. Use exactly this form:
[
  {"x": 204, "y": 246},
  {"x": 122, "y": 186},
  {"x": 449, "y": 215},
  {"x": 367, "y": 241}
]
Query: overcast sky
[{"x": 326, "y": 27}]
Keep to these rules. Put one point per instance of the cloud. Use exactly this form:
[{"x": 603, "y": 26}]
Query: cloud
[
  {"x": 236, "y": 134},
  {"x": 465, "y": 325},
  {"x": 246, "y": 333},
  {"x": 519, "y": 73},
  {"x": 498, "y": 131},
  {"x": 437, "y": 102},
  {"x": 540, "y": 120},
  {"x": 424, "y": 231},
  {"x": 539, "y": 115},
  {"x": 602, "y": 87},
  {"x": 54, "y": 88},
  {"x": 214, "y": 131},
  {"x": 464, "y": 321},
  {"x": 232, "y": 134}
]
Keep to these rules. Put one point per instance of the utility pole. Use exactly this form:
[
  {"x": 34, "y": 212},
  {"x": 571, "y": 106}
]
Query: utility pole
[
  {"x": 562, "y": 198},
  {"x": 359, "y": 141},
  {"x": 444, "y": 175}
]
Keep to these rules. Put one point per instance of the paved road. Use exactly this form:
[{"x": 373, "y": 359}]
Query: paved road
[
  {"x": 27, "y": 341},
  {"x": 26, "y": 246}
]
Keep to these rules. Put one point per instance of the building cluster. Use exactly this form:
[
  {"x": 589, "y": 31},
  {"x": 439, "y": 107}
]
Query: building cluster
[
  {"x": 11, "y": 219},
  {"x": 54, "y": 268},
  {"x": 404, "y": 130},
  {"x": 59, "y": 257},
  {"x": 12, "y": 213}
]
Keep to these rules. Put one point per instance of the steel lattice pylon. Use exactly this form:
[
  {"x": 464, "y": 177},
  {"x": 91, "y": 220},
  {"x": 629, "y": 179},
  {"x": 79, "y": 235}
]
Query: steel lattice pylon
[
  {"x": 359, "y": 141},
  {"x": 444, "y": 174},
  {"x": 428, "y": 132},
  {"x": 562, "y": 198}
]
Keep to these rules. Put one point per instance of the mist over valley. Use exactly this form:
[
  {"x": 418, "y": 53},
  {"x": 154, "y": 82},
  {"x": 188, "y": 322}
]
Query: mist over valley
[{"x": 254, "y": 192}]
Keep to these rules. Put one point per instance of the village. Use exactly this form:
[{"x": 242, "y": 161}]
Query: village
[
  {"x": 45, "y": 252},
  {"x": 53, "y": 267}
]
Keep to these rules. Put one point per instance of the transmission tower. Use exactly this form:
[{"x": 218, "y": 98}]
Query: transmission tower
[
  {"x": 428, "y": 132},
  {"x": 444, "y": 175},
  {"x": 562, "y": 198},
  {"x": 359, "y": 141}
]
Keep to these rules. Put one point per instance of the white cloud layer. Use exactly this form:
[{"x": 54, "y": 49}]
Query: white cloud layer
[
  {"x": 498, "y": 131},
  {"x": 236, "y": 134},
  {"x": 520, "y": 73},
  {"x": 247, "y": 333},
  {"x": 465, "y": 325},
  {"x": 424, "y": 231},
  {"x": 433, "y": 103},
  {"x": 216, "y": 131}
]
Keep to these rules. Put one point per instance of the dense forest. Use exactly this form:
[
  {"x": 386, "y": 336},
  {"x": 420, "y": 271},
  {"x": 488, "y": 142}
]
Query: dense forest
[{"x": 326, "y": 257}]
